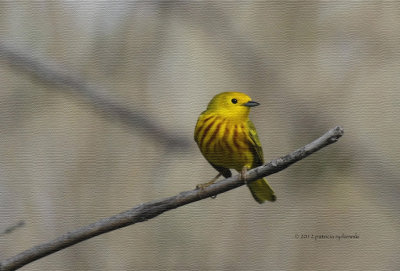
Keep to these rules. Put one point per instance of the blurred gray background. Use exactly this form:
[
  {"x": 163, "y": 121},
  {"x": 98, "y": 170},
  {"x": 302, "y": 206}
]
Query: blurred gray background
[{"x": 98, "y": 103}]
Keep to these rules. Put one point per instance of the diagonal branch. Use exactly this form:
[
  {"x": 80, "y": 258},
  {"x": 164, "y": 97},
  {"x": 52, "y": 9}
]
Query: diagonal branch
[
  {"x": 12, "y": 228},
  {"x": 52, "y": 73},
  {"x": 146, "y": 211}
]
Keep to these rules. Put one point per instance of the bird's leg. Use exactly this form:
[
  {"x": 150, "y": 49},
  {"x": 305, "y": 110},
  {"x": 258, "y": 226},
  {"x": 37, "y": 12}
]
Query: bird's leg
[
  {"x": 243, "y": 174},
  {"x": 204, "y": 185}
]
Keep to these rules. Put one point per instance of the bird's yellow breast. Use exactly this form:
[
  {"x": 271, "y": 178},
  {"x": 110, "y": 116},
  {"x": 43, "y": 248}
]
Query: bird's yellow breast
[{"x": 224, "y": 142}]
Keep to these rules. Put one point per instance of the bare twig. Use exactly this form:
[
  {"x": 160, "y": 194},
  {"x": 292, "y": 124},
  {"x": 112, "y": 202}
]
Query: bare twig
[
  {"x": 152, "y": 209},
  {"x": 12, "y": 228},
  {"x": 51, "y": 73}
]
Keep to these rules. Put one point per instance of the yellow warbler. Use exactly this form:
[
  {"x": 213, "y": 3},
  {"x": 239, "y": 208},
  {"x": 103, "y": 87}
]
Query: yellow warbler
[{"x": 228, "y": 139}]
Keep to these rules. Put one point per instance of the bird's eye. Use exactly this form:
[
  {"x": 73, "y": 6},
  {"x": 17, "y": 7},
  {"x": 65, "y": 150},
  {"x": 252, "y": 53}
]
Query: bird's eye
[{"x": 234, "y": 101}]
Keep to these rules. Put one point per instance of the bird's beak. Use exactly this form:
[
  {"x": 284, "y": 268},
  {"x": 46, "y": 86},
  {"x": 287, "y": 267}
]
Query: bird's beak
[{"x": 251, "y": 104}]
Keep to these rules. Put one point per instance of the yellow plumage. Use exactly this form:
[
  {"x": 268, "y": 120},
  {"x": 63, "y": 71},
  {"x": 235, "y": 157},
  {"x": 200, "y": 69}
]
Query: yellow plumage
[{"x": 228, "y": 139}]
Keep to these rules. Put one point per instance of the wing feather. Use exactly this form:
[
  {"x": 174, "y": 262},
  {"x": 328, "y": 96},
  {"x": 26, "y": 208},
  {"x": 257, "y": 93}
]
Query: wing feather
[{"x": 255, "y": 145}]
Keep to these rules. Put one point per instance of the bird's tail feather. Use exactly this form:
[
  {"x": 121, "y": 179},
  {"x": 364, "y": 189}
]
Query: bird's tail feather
[{"x": 261, "y": 191}]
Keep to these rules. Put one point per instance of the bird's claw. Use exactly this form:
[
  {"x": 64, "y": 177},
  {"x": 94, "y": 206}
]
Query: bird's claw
[{"x": 204, "y": 185}]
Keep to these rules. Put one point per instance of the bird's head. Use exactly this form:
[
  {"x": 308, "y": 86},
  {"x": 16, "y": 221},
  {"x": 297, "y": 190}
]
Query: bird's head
[{"x": 231, "y": 105}]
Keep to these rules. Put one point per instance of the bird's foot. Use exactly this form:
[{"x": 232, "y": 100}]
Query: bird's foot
[{"x": 204, "y": 185}]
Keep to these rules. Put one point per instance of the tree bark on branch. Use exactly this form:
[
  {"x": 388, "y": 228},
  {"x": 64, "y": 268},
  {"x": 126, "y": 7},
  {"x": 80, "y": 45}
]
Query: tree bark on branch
[{"x": 146, "y": 211}]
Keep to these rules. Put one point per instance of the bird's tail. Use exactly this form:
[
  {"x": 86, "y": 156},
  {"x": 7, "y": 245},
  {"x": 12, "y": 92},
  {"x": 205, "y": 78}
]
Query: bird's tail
[{"x": 261, "y": 191}]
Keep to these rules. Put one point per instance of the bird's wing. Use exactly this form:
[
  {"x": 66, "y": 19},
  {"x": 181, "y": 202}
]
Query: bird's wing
[{"x": 256, "y": 145}]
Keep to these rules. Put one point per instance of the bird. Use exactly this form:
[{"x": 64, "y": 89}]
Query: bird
[{"x": 228, "y": 139}]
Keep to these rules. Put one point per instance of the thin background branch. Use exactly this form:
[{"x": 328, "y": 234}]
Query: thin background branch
[
  {"x": 154, "y": 208},
  {"x": 12, "y": 228},
  {"x": 52, "y": 73}
]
